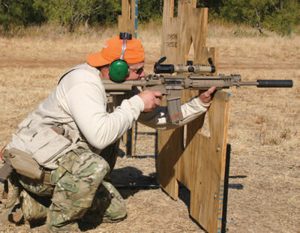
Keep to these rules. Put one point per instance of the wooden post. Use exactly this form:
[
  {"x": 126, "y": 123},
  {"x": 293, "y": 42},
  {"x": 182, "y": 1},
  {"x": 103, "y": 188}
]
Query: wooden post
[
  {"x": 195, "y": 160},
  {"x": 127, "y": 22}
]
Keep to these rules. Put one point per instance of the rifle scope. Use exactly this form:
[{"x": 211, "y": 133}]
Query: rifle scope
[{"x": 170, "y": 68}]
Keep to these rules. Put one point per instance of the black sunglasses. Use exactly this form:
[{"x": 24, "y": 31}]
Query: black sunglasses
[{"x": 139, "y": 71}]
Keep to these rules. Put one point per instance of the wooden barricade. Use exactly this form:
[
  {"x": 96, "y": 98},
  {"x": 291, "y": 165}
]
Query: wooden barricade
[
  {"x": 190, "y": 155},
  {"x": 186, "y": 155}
]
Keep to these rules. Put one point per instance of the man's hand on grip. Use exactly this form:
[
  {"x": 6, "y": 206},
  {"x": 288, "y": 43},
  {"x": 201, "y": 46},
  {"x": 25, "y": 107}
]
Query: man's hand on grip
[{"x": 151, "y": 99}]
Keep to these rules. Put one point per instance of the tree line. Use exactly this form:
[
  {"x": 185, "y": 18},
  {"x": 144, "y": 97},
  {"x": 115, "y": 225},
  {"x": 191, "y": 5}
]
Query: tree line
[{"x": 281, "y": 16}]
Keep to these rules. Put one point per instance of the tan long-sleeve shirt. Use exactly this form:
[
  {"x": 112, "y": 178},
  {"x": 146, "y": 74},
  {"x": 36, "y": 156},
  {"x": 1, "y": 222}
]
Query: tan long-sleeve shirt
[{"x": 78, "y": 105}]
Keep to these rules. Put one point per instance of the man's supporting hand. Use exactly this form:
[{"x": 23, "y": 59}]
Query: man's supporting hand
[{"x": 206, "y": 96}]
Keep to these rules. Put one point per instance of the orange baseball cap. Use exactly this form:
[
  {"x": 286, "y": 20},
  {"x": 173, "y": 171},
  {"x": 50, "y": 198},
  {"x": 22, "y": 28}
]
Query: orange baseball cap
[{"x": 112, "y": 50}]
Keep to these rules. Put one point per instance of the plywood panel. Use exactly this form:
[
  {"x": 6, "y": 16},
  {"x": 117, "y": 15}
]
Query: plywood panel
[
  {"x": 169, "y": 154},
  {"x": 200, "y": 164},
  {"x": 177, "y": 38},
  {"x": 210, "y": 165}
]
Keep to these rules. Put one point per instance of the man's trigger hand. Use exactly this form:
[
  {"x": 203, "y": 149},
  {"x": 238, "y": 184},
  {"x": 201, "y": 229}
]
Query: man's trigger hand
[{"x": 151, "y": 99}]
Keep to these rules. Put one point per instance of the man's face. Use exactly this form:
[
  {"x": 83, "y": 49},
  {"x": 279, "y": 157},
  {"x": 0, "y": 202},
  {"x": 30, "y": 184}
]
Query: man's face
[{"x": 136, "y": 71}]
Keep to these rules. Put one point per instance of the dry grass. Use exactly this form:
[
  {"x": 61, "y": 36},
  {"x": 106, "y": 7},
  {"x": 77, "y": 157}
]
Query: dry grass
[{"x": 264, "y": 124}]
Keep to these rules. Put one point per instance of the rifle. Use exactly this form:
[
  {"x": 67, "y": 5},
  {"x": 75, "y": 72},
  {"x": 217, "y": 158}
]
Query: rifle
[{"x": 192, "y": 77}]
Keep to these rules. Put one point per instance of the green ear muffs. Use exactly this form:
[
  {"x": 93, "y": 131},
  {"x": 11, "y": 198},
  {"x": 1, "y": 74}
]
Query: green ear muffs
[{"x": 118, "y": 71}]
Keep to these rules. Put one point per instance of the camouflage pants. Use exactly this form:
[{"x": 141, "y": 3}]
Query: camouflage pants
[{"x": 77, "y": 192}]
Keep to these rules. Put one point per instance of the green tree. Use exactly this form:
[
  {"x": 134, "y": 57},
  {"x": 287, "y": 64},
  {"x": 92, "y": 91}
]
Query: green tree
[
  {"x": 279, "y": 15},
  {"x": 19, "y": 13},
  {"x": 271, "y": 14},
  {"x": 72, "y": 13},
  {"x": 149, "y": 10},
  {"x": 284, "y": 17},
  {"x": 69, "y": 13},
  {"x": 106, "y": 12}
]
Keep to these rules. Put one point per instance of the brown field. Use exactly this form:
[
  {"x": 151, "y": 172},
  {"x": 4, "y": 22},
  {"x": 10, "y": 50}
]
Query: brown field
[{"x": 264, "y": 128}]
